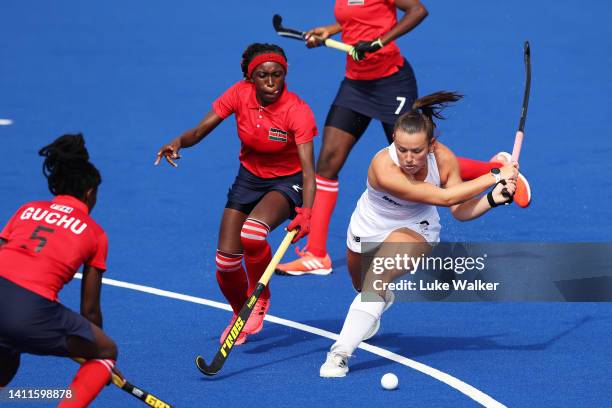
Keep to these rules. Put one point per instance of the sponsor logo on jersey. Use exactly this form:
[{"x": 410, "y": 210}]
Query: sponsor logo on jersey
[
  {"x": 277, "y": 135},
  {"x": 356, "y": 2},
  {"x": 391, "y": 201}
]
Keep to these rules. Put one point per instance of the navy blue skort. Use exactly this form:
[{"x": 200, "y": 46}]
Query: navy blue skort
[
  {"x": 384, "y": 99},
  {"x": 248, "y": 189},
  {"x": 30, "y": 323}
]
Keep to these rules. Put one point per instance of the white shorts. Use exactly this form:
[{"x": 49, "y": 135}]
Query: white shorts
[{"x": 367, "y": 229}]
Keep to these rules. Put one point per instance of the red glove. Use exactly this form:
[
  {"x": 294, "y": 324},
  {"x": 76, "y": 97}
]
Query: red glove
[{"x": 301, "y": 222}]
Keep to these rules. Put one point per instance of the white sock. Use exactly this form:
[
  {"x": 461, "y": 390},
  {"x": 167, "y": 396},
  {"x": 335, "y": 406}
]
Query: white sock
[{"x": 359, "y": 321}]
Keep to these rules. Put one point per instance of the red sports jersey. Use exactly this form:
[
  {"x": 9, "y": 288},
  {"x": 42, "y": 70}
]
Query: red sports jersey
[
  {"x": 367, "y": 20},
  {"x": 269, "y": 134},
  {"x": 47, "y": 241}
]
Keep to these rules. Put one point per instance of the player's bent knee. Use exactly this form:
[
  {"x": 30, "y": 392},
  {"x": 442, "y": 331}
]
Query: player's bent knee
[
  {"x": 253, "y": 235},
  {"x": 109, "y": 350}
]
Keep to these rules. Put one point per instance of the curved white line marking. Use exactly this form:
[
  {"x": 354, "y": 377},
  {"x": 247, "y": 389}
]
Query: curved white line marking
[{"x": 447, "y": 379}]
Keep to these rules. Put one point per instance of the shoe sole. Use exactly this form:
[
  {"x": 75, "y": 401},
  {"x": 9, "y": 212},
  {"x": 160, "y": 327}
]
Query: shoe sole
[
  {"x": 319, "y": 272},
  {"x": 528, "y": 188},
  {"x": 332, "y": 376}
]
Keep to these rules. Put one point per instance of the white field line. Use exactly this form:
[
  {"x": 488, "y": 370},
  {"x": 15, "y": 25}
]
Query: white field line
[{"x": 466, "y": 389}]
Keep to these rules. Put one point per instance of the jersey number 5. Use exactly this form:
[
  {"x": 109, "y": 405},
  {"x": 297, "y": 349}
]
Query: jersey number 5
[
  {"x": 402, "y": 102},
  {"x": 43, "y": 240}
]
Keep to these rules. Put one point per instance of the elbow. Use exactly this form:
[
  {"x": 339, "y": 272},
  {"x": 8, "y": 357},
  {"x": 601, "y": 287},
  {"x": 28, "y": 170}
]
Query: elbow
[{"x": 422, "y": 12}]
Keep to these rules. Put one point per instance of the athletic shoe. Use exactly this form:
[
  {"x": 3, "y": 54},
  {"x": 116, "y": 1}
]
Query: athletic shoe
[
  {"x": 522, "y": 195},
  {"x": 241, "y": 337},
  {"x": 255, "y": 322},
  {"x": 335, "y": 365},
  {"x": 307, "y": 263}
]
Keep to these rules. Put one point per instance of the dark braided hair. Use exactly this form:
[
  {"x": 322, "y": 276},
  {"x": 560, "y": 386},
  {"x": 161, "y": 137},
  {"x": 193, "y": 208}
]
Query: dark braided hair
[
  {"x": 67, "y": 167},
  {"x": 255, "y": 49},
  {"x": 424, "y": 109}
]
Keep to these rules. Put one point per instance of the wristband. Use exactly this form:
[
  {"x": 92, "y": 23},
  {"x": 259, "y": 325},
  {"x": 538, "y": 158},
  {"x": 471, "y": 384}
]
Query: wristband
[{"x": 490, "y": 199}]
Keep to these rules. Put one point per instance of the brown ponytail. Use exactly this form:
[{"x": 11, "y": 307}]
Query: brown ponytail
[{"x": 424, "y": 109}]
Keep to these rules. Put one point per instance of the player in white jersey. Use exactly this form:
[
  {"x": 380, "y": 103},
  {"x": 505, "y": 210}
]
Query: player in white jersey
[{"x": 406, "y": 181}]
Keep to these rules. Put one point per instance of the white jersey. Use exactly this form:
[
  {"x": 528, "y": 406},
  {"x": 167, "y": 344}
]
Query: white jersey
[{"x": 379, "y": 213}]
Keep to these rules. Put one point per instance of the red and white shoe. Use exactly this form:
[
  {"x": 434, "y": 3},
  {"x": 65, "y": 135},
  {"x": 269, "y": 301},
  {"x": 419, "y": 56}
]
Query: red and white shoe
[
  {"x": 522, "y": 195},
  {"x": 307, "y": 263},
  {"x": 241, "y": 337},
  {"x": 255, "y": 322}
]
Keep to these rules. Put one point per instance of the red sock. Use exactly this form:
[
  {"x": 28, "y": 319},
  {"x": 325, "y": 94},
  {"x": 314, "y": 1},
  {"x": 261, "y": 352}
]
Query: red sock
[
  {"x": 471, "y": 169},
  {"x": 257, "y": 252},
  {"x": 88, "y": 382},
  {"x": 324, "y": 203},
  {"x": 232, "y": 279}
]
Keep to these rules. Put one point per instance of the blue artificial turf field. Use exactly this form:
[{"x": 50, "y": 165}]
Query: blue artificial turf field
[{"x": 132, "y": 75}]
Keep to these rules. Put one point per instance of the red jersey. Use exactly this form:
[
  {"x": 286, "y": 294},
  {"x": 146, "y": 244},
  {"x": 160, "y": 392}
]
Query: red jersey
[
  {"x": 269, "y": 135},
  {"x": 367, "y": 20},
  {"x": 47, "y": 241}
]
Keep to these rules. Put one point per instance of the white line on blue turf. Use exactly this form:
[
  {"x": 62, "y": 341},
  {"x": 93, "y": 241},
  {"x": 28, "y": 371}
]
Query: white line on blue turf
[
  {"x": 447, "y": 379},
  {"x": 5, "y": 122}
]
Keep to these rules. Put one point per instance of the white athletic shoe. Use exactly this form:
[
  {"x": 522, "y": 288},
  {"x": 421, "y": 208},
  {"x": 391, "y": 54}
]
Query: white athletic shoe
[{"x": 335, "y": 365}]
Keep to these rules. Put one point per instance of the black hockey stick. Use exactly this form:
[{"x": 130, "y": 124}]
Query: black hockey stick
[
  {"x": 229, "y": 341},
  {"x": 277, "y": 22},
  {"x": 518, "y": 139}
]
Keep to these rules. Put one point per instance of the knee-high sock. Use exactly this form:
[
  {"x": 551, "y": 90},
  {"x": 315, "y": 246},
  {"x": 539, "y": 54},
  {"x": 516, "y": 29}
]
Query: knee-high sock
[
  {"x": 471, "y": 169},
  {"x": 257, "y": 252},
  {"x": 232, "y": 279},
  {"x": 88, "y": 382},
  {"x": 324, "y": 203},
  {"x": 359, "y": 321}
]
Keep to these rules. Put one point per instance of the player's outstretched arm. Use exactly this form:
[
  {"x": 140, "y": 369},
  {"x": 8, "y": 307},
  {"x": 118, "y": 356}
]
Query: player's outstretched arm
[{"x": 189, "y": 138}]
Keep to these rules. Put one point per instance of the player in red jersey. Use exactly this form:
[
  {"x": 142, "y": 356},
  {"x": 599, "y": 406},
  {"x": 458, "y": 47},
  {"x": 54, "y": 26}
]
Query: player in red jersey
[
  {"x": 379, "y": 84},
  {"x": 41, "y": 248},
  {"x": 276, "y": 129}
]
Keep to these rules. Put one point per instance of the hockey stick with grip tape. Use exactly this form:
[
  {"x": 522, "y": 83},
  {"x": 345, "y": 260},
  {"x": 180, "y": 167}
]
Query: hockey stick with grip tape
[
  {"x": 229, "y": 340},
  {"x": 146, "y": 397},
  {"x": 520, "y": 133},
  {"x": 277, "y": 22}
]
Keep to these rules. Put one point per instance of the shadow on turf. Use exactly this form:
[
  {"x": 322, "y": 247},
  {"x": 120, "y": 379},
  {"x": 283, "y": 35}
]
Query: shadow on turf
[{"x": 416, "y": 346}]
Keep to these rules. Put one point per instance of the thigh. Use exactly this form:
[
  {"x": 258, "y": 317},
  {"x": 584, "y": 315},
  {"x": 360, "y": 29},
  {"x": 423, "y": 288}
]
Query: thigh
[
  {"x": 229, "y": 231},
  {"x": 353, "y": 263},
  {"x": 406, "y": 244},
  {"x": 343, "y": 128},
  {"x": 101, "y": 346},
  {"x": 388, "y": 129},
  {"x": 9, "y": 364},
  {"x": 273, "y": 209}
]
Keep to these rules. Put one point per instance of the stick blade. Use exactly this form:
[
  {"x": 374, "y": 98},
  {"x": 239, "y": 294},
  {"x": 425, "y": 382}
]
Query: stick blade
[
  {"x": 205, "y": 369},
  {"x": 277, "y": 22}
]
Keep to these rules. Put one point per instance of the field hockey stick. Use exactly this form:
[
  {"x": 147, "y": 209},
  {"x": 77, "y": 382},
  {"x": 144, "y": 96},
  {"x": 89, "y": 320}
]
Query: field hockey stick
[
  {"x": 520, "y": 133},
  {"x": 277, "y": 22},
  {"x": 230, "y": 339},
  {"x": 126, "y": 386}
]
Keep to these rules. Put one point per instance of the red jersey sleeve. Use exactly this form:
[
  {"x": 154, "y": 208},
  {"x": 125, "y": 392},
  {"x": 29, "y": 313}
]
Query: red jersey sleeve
[
  {"x": 98, "y": 259},
  {"x": 302, "y": 123},
  {"x": 227, "y": 103}
]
